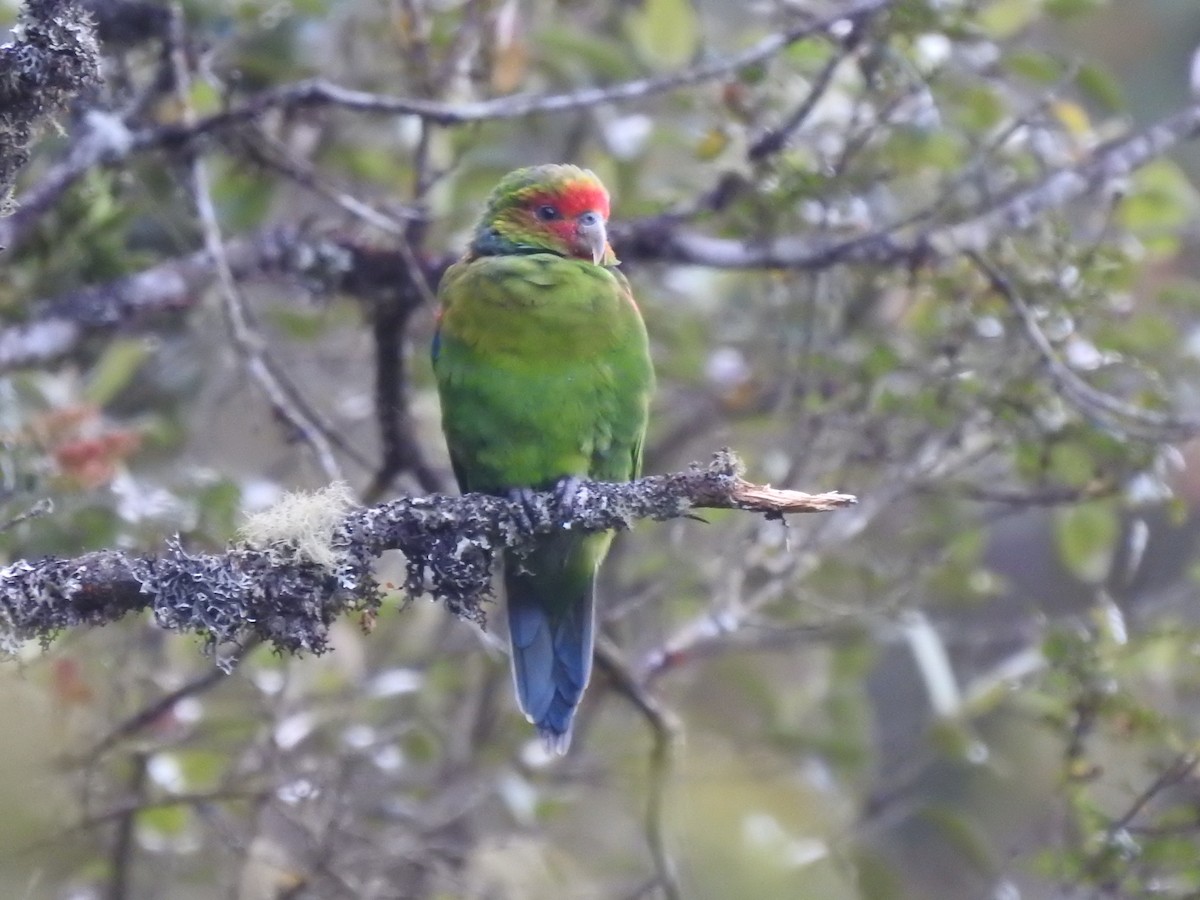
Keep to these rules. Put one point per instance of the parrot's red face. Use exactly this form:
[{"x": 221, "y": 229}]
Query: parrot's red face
[
  {"x": 558, "y": 209},
  {"x": 574, "y": 218}
]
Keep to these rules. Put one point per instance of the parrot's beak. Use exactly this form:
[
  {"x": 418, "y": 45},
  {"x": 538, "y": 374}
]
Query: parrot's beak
[{"x": 593, "y": 237}]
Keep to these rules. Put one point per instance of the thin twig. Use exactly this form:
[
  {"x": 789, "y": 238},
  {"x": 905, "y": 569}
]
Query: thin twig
[
  {"x": 283, "y": 397},
  {"x": 1102, "y": 864},
  {"x": 391, "y": 310},
  {"x": 132, "y": 808},
  {"x": 148, "y": 715},
  {"x": 106, "y": 139},
  {"x": 662, "y": 239},
  {"x": 309, "y": 178},
  {"x": 1047, "y": 495},
  {"x": 268, "y": 151},
  {"x": 390, "y": 314},
  {"x": 1094, "y": 403},
  {"x": 774, "y": 140},
  {"x": 42, "y": 507},
  {"x": 982, "y": 157},
  {"x": 1180, "y": 768},
  {"x": 664, "y": 730},
  {"x": 123, "y": 843}
]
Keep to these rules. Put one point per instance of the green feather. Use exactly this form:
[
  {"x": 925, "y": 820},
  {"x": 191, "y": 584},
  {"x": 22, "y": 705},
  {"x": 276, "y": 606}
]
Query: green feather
[{"x": 543, "y": 371}]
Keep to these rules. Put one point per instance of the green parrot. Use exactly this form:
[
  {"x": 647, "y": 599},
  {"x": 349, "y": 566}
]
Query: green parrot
[{"x": 544, "y": 374}]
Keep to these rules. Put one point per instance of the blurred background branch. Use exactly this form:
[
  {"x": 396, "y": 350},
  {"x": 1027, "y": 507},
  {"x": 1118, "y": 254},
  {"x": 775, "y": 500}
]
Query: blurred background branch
[{"x": 52, "y": 58}]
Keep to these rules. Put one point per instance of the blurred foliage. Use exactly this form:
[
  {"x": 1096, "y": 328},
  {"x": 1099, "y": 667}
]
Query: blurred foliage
[{"x": 983, "y": 682}]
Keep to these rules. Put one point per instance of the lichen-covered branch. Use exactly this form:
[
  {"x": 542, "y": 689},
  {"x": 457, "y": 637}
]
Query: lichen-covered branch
[
  {"x": 54, "y": 57},
  {"x": 282, "y": 595}
]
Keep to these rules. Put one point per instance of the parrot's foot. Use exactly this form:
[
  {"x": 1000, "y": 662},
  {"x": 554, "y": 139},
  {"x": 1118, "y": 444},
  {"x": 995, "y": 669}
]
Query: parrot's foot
[
  {"x": 530, "y": 514},
  {"x": 533, "y": 515}
]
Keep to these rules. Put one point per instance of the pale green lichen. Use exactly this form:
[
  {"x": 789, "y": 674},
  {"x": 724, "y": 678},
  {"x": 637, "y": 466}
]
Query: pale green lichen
[{"x": 304, "y": 521}]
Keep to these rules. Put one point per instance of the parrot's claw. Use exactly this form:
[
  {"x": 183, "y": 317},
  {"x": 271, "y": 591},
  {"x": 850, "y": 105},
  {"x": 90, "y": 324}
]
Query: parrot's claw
[
  {"x": 566, "y": 492},
  {"x": 529, "y": 513}
]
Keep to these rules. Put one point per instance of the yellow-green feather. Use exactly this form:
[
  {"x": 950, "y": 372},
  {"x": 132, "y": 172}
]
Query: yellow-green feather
[{"x": 543, "y": 371}]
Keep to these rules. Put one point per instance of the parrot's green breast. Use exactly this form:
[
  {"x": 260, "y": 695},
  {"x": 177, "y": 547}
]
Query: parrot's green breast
[{"x": 544, "y": 371}]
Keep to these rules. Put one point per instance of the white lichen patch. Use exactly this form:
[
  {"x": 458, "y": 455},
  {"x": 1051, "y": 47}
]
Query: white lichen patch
[{"x": 305, "y": 521}]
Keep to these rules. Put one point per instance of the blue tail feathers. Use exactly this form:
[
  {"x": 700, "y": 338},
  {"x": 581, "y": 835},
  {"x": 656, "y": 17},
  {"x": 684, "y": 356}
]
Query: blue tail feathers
[{"x": 550, "y": 622}]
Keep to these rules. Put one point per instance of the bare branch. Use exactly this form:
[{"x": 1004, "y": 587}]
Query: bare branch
[
  {"x": 278, "y": 595},
  {"x": 42, "y": 507},
  {"x": 316, "y": 92},
  {"x": 665, "y": 730},
  {"x": 776, "y": 502},
  {"x": 1094, "y": 403},
  {"x": 401, "y": 450},
  {"x": 114, "y": 142},
  {"x": 774, "y": 140},
  {"x": 103, "y": 139},
  {"x": 124, "y": 847},
  {"x": 332, "y": 263},
  {"x": 286, "y": 401},
  {"x": 662, "y": 239},
  {"x": 150, "y": 714},
  {"x": 343, "y": 265},
  {"x": 1180, "y": 769}
]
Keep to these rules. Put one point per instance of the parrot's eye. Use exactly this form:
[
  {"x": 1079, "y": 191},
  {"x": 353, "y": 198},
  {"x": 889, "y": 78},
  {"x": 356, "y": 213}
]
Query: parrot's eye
[
  {"x": 547, "y": 213},
  {"x": 589, "y": 218}
]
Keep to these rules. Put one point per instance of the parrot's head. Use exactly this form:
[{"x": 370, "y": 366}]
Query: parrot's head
[{"x": 547, "y": 209}]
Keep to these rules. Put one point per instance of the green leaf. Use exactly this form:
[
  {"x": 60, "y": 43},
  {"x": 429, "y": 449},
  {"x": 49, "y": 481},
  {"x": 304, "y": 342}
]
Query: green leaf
[
  {"x": 912, "y": 148},
  {"x": 116, "y": 369},
  {"x": 808, "y": 55},
  {"x": 1162, "y": 200},
  {"x": 1071, "y": 464},
  {"x": 244, "y": 196},
  {"x": 220, "y": 509},
  {"x": 1005, "y": 18},
  {"x": 1041, "y": 68},
  {"x": 1086, "y": 536},
  {"x": 981, "y": 108},
  {"x": 1067, "y": 9},
  {"x": 665, "y": 32},
  {"x": 202, "y": 768},
  {"x": 204, "y": 98},
  {"x": 1100, "y": 87},
  {"x": 300, "y": 324},
  {"x": 1182, "y": 294},
  {"x": 164, "y": 821},
  {"x": 562, "y": 49}
]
